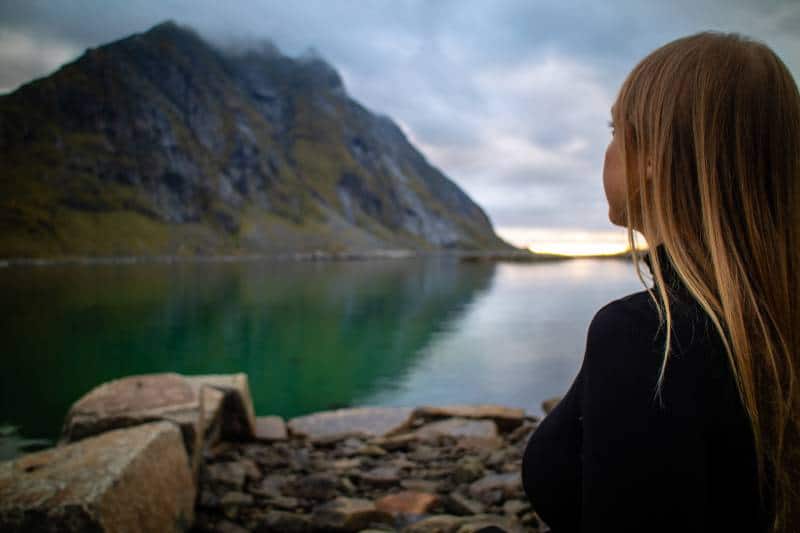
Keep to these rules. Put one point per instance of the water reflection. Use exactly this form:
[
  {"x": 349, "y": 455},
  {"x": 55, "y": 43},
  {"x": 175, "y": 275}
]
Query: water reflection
[{"x": 310, "y": 336}]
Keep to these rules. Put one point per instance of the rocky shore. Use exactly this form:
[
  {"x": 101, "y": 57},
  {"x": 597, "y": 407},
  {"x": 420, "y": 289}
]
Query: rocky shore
[
  {"x": 166, "y": 452},
  {"x": 449, "y": 470}
]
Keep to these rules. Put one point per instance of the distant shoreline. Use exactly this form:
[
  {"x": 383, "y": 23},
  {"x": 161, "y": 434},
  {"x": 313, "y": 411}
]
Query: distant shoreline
[{"x": 316, "y": 255}]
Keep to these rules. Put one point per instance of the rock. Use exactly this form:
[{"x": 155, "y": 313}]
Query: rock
[
  {"x": 236, "y": 498},
  {"x": 371, "y": 450},
  {"x": 270, "y": 428},
  {"x": 475, "y": 524},
  {"x": 283, "y": 522},
  {"x": 461, "y": 505},
  {"x": 368, "y": 421},
  {"x": 204, "y": 407},
  {"x": 407, "y": 501},
  {"x": 271, "y": 486},
  {"x": 226, "y": 526},
  {"x": 510, "y": 484},
  {"x": 515, "y": 507},
  {"x": 437, "y": 524},
  {"x": 421, "y": 485},
  {"x": 468, "y": 470},
  {"x": 283, "y": 502},
  {"x": 550, "y": 404},
  {"x": 317, "y": 486},
  {"x": 382, "y": 475},
  {"x": 236, "y": 415},
  {"x": 349, "y": 514},
  {"x": 480, "y": 443},
  {"x": 458, "y": 427},
  {"x": 424, "y": 453},
  {"x": 346, "y": 464},
  {"x": 396, "y": 442},
  {"x": 506, "y": 418},
  {"x": 522, "y": 433},
  {"x": 135, "y": 400},
  {"x": 133, "y": 479},
  {"x": 231, "y": 474}
]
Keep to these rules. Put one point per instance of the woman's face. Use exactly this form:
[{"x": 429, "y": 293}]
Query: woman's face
[{"x": 614, "y": 183}]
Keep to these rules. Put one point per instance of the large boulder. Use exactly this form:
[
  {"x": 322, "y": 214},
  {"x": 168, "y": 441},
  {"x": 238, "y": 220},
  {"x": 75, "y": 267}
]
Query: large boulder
[
  {"x": 133, "y": 479},
  {"x": 205, "y": 408}
]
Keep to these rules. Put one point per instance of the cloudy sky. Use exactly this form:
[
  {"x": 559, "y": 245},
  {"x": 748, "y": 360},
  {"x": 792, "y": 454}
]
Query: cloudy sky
[{"x": 509, "y": 98}]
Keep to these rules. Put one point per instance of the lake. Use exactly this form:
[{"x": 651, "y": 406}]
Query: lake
[{"x": 310, "y": 335}]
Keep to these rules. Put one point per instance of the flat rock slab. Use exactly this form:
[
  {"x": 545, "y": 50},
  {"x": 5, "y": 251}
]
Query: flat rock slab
[
  {"x": 133, "y": 479},
  {"x": 365, "y": 421},
  {"x": 458, "y": 427},
  {"x": 507, "y": 418}
]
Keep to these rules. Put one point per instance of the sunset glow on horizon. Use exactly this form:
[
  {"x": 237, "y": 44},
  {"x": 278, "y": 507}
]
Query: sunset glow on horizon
[{"x": 570, "y": 242}]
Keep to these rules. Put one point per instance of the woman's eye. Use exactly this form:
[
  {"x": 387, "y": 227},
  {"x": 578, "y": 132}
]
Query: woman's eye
[{"x": 611, "y": 125}]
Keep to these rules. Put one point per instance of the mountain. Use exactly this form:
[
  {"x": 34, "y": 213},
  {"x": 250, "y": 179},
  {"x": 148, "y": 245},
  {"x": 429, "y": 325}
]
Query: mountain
[{"x": 160, "y": 143}]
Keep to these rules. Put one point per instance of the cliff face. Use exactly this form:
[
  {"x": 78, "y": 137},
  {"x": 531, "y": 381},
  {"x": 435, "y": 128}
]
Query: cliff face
[{"x": 160, "y": 143}]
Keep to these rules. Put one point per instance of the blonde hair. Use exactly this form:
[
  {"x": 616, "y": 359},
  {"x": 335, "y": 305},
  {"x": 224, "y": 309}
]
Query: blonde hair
[{"x": 709, "y": 130}]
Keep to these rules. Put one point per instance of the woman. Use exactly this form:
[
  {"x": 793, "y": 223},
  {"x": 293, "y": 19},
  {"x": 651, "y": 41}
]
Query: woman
[{"x": 695, "y": 430}]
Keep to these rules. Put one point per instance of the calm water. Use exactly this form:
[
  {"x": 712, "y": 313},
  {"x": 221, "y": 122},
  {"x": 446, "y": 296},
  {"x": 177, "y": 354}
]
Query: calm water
[{"x": 310, "y": 336}]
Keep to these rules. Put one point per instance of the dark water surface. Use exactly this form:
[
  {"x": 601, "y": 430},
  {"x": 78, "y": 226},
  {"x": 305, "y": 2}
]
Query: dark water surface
[{"x": 310, "y": 335}]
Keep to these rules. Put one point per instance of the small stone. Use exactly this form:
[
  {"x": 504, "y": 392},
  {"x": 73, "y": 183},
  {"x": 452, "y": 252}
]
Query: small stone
[
  {"x": 436, "y": 524},
  {"x": 346, "y": 464},
  {"x": 480, "y": 443},
  {"x": 270, "y": 428},
  {"x": 232, "y": 473},
  {"x": 461, "y": 505},
  {"x": 550, "y": 404},
  {"x": 509, "y": 484},
  {"x": 421, "y": 485},
  {"x": 424, "y": 454},
  {"x": 458, "y": 427},
  {"x": 283, "y": 502},
  {"x": 236, "y": 498},
  {"x": 407, "y": 501},
  {"x": 522, "y": 433},
  {"x": 396, "y": 442},
  {"x": 468, "y": 471},
  {"x": 317, "y": 486},
  {"x": 226, "y": 526},
  {"x": 349, "y": 514},
  {"x": 285, "y": 522},
  {"x": 476, "y": 523},
  {"x": 271, "y": 486},
  {"x": 515, "y": 507},
  {"x": 382, "y": 475},
  {"x": 371, "y": 450}
]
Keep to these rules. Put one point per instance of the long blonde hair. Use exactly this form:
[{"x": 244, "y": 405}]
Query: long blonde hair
[{"x": 709, "y": 130}]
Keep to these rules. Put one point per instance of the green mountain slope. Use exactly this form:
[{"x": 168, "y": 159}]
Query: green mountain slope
[{"x": 160, "y": 143}]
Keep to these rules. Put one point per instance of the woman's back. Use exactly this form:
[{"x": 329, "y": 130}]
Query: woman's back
[{"x": 611, "y": 456}]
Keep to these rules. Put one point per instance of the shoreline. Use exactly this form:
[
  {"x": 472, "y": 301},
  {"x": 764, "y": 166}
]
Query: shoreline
[
  {"x": 315, "y": 255},
  {"x": 173, "y": 452}
]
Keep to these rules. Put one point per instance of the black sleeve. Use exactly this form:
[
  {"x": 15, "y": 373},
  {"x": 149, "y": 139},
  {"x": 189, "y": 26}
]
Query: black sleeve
[{"x": 643, "y": 466}]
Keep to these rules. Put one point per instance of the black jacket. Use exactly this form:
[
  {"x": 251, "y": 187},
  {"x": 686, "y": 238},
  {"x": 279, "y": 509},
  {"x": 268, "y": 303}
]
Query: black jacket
[{"x": 609, "y": 457}]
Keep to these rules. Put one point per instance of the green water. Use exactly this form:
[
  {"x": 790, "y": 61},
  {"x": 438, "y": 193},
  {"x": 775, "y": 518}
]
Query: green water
[{"x": 310, "y": 336}]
